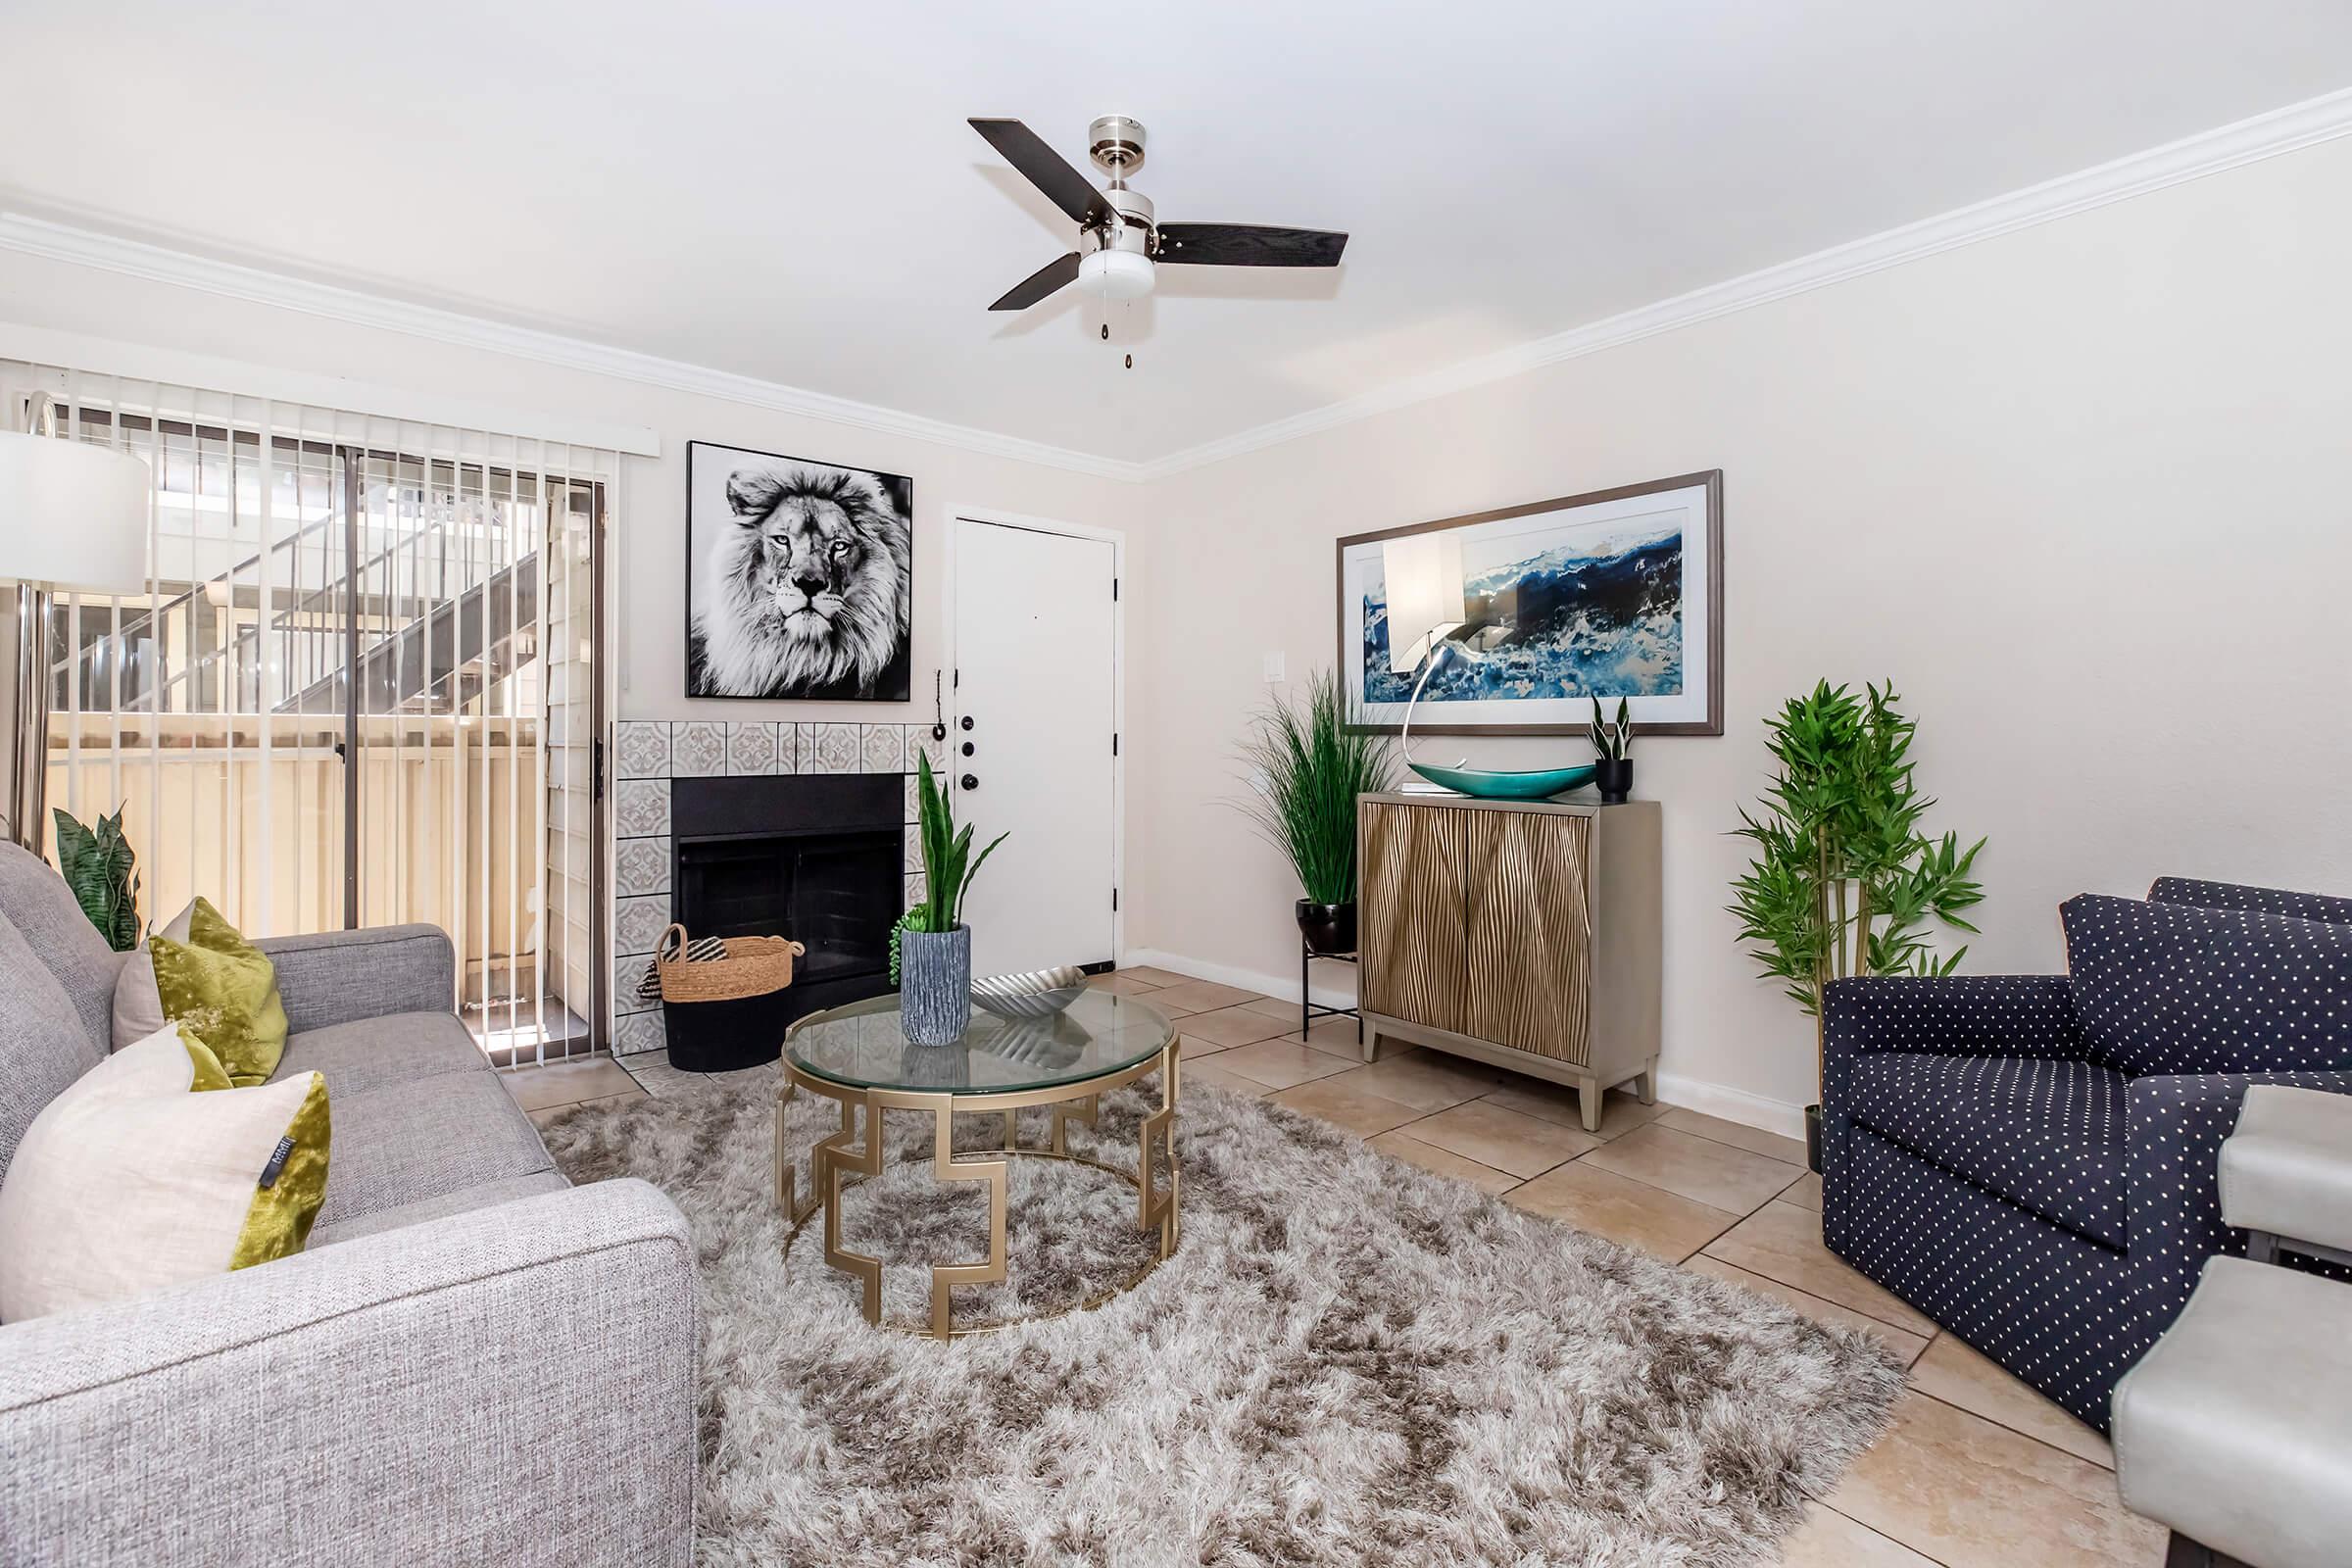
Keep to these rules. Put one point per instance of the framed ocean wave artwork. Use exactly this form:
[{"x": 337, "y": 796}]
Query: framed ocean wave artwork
[{"x": 1534, "y": 611}]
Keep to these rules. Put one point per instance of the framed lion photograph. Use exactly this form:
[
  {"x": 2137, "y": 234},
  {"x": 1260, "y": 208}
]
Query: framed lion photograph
[{"x": 800, "y": 578}]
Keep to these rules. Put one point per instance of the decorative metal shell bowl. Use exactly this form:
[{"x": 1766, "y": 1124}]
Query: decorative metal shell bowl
[
  {"x": 1532, "y": 784},
  {"x": 1037, "y": 993}
]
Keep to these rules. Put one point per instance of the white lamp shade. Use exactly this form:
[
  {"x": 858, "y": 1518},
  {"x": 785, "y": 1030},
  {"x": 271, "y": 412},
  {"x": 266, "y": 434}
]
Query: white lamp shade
[
  {"x": 1117, "y": 274},
  {"x": 1423, "y": 576},
  {"x": 71, "y": 515}
]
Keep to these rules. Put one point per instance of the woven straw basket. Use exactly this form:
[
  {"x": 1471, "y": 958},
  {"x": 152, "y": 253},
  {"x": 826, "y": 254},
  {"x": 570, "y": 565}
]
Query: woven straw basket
[{"x": 754, "y": 966}]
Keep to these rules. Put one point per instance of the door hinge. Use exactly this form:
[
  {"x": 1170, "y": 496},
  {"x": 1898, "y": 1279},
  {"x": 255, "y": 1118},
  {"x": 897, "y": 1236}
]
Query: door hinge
[
  {"x": 1115, "y": 900},
  {"x": 955, "y": 678},
  {"x": 597, "y": 766},
  {"x": 1114, "y": 590},
  {"x": 1114, "y": 743}
]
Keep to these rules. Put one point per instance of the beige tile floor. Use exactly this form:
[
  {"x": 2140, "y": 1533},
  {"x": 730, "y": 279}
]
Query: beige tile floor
[{"x": 1977, "y": 1469}]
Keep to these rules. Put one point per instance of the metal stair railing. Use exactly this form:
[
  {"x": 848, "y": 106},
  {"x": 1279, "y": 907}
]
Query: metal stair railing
[{"x": 385, "y": 669}]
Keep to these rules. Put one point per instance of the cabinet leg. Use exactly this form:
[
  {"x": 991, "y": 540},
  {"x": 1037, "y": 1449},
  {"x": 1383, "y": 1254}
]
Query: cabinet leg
[
  {"x": 1587, "y": 1102},
  {"x": 1645, "y": 1084}
]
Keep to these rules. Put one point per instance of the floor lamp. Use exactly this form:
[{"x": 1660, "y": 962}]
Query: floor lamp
[{"x": 71, "y": 516}]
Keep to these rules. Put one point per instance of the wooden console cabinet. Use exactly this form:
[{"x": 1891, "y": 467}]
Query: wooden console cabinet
[{"x": 1524, "y": 934}]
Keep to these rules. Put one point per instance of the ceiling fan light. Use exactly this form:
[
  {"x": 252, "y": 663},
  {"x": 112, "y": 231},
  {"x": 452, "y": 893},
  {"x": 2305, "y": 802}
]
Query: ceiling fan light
[{"x": 1117, "y": 274}]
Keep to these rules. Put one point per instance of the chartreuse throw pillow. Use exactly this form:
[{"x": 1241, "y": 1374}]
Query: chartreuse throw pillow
[
  {"x": 224, "y": 989},
  {"x": 150, "y": 1170}
]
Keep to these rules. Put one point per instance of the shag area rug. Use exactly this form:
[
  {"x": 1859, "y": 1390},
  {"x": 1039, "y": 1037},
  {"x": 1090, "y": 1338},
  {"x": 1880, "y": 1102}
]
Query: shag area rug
[{"x": 1348, "y": 1361}]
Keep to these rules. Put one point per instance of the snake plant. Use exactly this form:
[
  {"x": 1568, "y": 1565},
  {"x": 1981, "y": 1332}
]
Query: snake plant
[
  {"x": 103, "y": 872},
  {"x": 949, "y": 864}
]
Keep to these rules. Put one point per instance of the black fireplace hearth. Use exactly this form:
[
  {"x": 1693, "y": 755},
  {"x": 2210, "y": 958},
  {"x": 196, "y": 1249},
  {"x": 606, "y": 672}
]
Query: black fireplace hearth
[{"x": 815, "y": 857}]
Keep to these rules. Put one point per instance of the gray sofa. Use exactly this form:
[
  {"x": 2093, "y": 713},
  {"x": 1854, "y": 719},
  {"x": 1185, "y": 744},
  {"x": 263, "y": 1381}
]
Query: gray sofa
[{"x": 472, "y": 1362}]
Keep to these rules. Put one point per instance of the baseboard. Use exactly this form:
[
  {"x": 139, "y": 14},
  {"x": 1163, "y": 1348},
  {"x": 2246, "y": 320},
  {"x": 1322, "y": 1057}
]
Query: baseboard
[
  {"x": 1733, "y": 1105},
  {"x": 1694, "y": 1093},
  {"x": 1323, "y": 994}
]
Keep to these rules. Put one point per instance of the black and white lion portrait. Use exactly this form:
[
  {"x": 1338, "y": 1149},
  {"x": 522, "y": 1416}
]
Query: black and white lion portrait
[{"x": 800, "y": 577}]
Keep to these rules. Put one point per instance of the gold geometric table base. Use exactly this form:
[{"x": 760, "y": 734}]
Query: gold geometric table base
[{"x": 839, "y": 1162}]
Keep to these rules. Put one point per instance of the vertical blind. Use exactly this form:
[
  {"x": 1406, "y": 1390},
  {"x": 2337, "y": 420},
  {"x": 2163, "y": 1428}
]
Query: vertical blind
[{"x": 360, "y": 686}]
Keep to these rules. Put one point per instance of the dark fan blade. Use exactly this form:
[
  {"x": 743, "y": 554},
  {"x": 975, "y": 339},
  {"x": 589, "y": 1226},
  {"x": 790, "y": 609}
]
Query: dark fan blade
[
  {"x": 1248, "y": 245},
  {"x": 1040, "y": 283},
  {"x": 1044, "y": 168}
]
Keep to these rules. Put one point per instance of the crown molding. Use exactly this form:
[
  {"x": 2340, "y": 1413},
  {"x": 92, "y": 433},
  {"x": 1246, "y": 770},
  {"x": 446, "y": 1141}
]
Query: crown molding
[
  {"x": 2284, "y": 131},
  {"x": 54, "y": 241},
  {"x": 49, "y": 348},
  {"x": 2266, "y": 136}
]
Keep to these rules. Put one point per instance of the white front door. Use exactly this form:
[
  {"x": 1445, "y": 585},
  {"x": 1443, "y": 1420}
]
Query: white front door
[{"x": 1031, "y": 749}]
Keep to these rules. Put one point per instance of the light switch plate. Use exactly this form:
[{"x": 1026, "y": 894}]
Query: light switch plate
[{"x": 1274, "y": 669}]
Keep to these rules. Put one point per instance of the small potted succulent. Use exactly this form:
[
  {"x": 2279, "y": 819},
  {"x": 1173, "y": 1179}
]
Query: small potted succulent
[
  {"x": 931, "y": 947},
  {"x": 1613, "y": 753}
]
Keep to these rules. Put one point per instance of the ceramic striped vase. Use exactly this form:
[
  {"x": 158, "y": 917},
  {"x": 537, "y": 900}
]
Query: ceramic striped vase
[{"x": 935, "y": 985}]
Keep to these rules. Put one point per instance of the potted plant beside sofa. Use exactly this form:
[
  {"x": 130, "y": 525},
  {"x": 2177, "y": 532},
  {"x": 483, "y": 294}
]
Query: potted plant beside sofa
[
  {"x": 1843, "y": 882},
  {"x": 1310, "y": 761}
]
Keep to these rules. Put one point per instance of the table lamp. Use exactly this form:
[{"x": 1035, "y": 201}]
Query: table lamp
[
  {"x": 71, "y": 516},
  {"x": 1422, "y": 575}
]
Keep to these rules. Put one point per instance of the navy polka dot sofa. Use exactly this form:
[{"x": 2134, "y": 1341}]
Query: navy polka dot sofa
[{"x": 2030, "y": 1161}]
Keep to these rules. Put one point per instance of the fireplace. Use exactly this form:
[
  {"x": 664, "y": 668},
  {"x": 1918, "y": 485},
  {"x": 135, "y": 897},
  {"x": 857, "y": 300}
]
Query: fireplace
[{"x": 816, "y": 858}]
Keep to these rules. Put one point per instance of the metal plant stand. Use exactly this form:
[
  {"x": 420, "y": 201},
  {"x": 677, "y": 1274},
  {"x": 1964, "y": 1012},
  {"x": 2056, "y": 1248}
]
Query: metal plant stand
[{"x": 1309, "y": 1009}]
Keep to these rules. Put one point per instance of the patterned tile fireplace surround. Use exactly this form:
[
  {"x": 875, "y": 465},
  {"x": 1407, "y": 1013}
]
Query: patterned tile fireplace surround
[{"x": 648, "y": 754}]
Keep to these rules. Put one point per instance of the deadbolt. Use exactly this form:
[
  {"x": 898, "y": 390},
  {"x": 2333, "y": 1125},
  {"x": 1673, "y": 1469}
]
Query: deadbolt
[
  {"x": 967, "y": 721},
  {"x": 968, "y": 747}
]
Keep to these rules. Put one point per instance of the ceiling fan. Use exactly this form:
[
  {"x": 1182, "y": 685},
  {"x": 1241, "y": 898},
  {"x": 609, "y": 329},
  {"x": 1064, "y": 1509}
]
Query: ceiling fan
[{"x": 1121, "y": 244}]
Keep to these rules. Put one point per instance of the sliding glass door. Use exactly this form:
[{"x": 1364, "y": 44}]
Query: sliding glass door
[{"x": 363, "y": 689}]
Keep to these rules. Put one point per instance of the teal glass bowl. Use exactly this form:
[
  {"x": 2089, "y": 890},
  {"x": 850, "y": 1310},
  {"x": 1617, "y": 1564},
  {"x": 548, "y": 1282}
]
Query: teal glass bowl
[{"x": 1532, "y": 784}]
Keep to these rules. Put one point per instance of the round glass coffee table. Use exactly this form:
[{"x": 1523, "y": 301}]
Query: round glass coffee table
[{"x": 859, "y": 1055}]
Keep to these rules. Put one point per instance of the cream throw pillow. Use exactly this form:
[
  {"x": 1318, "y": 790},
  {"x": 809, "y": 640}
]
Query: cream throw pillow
[
  {"x": 138, "y": 1008},
  {"x": 149, "y": 1171}
]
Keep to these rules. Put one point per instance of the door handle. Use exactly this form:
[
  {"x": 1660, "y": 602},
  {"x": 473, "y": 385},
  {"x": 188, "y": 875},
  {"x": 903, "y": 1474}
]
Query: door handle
[
  {"x": 968, "y": 747},
  {"x": 969, "y": 782}
]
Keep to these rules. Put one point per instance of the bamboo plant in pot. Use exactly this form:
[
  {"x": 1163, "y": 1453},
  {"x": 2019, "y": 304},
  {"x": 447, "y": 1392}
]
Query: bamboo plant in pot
[
  {"x": 931, "y": 947},
  {"x": 1843, "y": 882},
  {"x": 1310, "y": 762}
]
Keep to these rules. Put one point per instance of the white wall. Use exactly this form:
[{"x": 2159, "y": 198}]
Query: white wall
[
  {"x": 650, "y": 536},
  {"x": 2083, "y": 493}
]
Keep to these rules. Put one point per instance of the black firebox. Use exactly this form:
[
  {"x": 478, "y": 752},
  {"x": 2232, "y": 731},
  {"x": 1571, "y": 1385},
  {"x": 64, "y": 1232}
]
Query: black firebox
[{"x": 815, "y": 857}]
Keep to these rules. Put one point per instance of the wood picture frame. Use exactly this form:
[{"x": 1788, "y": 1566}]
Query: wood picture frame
[{"x": 1637, "y": 521}]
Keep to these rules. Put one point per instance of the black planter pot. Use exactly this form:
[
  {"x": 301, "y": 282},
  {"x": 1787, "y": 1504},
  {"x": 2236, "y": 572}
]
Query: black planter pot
[
  {"x": 1813, "y": 1139},
  {"x": 1614, "y": 777},
  {"x": 1326, "y": 928}
]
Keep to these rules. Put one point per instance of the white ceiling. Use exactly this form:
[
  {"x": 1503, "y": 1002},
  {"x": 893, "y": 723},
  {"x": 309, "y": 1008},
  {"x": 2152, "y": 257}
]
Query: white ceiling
[{"x": 789, "y": 192}]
